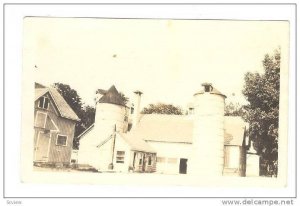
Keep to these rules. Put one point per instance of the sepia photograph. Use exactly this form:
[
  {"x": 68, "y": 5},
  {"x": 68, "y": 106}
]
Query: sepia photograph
[{"x": 154, "y": 96}]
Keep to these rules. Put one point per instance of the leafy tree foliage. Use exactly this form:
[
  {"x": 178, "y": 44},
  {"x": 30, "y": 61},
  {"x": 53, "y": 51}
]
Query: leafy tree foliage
[
  {"x": 161, "y": 108},
  {"x": 262, "y": 93},
  {"x": 124, "y": 98},
  {"x": 85, "y": 113},
  {"x": 232, "y": 109}
]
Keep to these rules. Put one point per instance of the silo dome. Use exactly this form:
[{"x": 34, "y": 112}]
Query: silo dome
[
  {"x": 110, "y": 111},
  {"x": 207, "y": 157}
]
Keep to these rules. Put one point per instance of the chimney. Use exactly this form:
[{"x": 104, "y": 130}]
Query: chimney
[{"x": 136, "y": 112}]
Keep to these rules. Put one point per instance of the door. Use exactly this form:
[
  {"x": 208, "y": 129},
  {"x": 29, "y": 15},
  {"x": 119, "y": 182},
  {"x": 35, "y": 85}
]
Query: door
[
  {"x": 144, "y": 163},
  {"x": 182, "y": 166},
  {"x": 42, "y": 147}
]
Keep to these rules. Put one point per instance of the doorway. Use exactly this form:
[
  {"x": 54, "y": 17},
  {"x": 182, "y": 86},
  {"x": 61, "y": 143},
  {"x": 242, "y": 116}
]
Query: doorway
[
  {"x": 183, "y": 166},
  {"x": 42, "y": 147}
]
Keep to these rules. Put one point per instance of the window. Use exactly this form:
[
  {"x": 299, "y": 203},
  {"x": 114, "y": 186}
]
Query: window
[
  {"x": 120, "y": 156},
  {"x": 131, "y": 110},
  {"x": 61, "y": 140},
  {"x": 43, "y": 103},
  {"x": 140, "y": 163},
  {"x": 149, "y": 161}
]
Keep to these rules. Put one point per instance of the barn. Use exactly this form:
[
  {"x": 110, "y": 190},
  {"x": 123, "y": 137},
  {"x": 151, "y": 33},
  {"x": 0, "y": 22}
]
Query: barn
[
  {"x": 54, "y": 127},
  {"x": 204, "y": 142}
]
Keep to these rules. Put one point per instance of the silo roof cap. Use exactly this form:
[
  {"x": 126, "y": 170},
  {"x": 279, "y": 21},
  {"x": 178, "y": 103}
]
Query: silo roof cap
[
  {"x": 213, "y": 90},
  {"x": 138, "y": 92},
  {"x": 112, "y": 96}
]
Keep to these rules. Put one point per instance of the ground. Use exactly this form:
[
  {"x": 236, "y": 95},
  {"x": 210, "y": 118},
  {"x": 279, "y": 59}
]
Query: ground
[{"x": 48, "y": 175}]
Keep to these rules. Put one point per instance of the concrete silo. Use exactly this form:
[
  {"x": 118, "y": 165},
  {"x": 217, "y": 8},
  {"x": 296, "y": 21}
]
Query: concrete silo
[
  {"x": 110, "y": 114},
  {"x": 207, "y": 157}
]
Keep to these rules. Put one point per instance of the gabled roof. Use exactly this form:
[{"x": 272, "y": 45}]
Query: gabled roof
[
  {"x": 179, "y": 129},
  {"x": 111, "y": 96},
  {"x": 62, "y": 106},
  {"x": 164, "y": 128},
  {"x": 136, "y": 144},
  {"x": 38, "y": 85}
]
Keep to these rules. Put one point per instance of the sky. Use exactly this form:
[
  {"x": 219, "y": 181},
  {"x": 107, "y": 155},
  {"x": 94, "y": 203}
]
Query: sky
[{"x": 167, "y": 60}]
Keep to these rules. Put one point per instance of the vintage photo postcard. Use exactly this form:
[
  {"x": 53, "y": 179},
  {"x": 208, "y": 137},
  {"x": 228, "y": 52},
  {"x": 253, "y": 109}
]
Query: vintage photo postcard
[{"x": 155, "y": 102}]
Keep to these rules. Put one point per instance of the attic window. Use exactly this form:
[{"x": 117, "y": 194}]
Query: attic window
[{"x": 43, "y": 103}]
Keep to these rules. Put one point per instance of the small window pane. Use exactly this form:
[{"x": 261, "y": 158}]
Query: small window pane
[
  {"x": 41, "y": 102},
  {"x": 61, "y": 140},
  {"x": 120, "y": 156},
  {"x": 46, "y": 103}
]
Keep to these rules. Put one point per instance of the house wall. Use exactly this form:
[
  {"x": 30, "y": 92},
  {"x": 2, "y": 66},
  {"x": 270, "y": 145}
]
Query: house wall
[
  {"x": 252, "y": 169},
  {"x": 89, "y": 153},
  {"x": 234, "y": 160},
  {"x": 56, "y": 153},
  {"x": 232, "y": 157},
  {"x": 169, "y": 154},
  {"x": 121, "y": 145}
]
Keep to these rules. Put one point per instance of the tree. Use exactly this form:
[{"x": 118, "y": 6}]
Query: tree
[
  {"x": 161, "y": 108},
  {"x": 124, "y": 98},
  {"x": 262, "y": 93},
  {"x": 85, "y": 113},
  {"x": 232, "y": 109}
]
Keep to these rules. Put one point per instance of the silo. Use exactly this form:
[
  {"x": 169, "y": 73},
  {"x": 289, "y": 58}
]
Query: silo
[
  {"x": 110, "y": 114},
  {"x": 207, "y": 157}
]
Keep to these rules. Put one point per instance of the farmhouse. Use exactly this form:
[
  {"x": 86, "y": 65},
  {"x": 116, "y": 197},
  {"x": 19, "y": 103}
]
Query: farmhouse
[
  {"x": 54, "y": 126},
  {"x": 204, "y": 142}
]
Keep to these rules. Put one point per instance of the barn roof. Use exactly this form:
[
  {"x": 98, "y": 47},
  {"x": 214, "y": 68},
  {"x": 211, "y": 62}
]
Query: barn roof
[
  {"x": 63, "y": 107},
  {"x": 164, "y": 128},
  {"x": 179, "y": 128},
  {"x": 111, "y": 96},
  {"x": 137, "y": 144}
]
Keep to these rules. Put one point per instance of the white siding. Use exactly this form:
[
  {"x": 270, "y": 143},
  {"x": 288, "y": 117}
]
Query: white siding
[
  {"x": 171, "y": 152},
  {"x": 252, "y": 168},
  {"x": 121, "y": 145}
]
